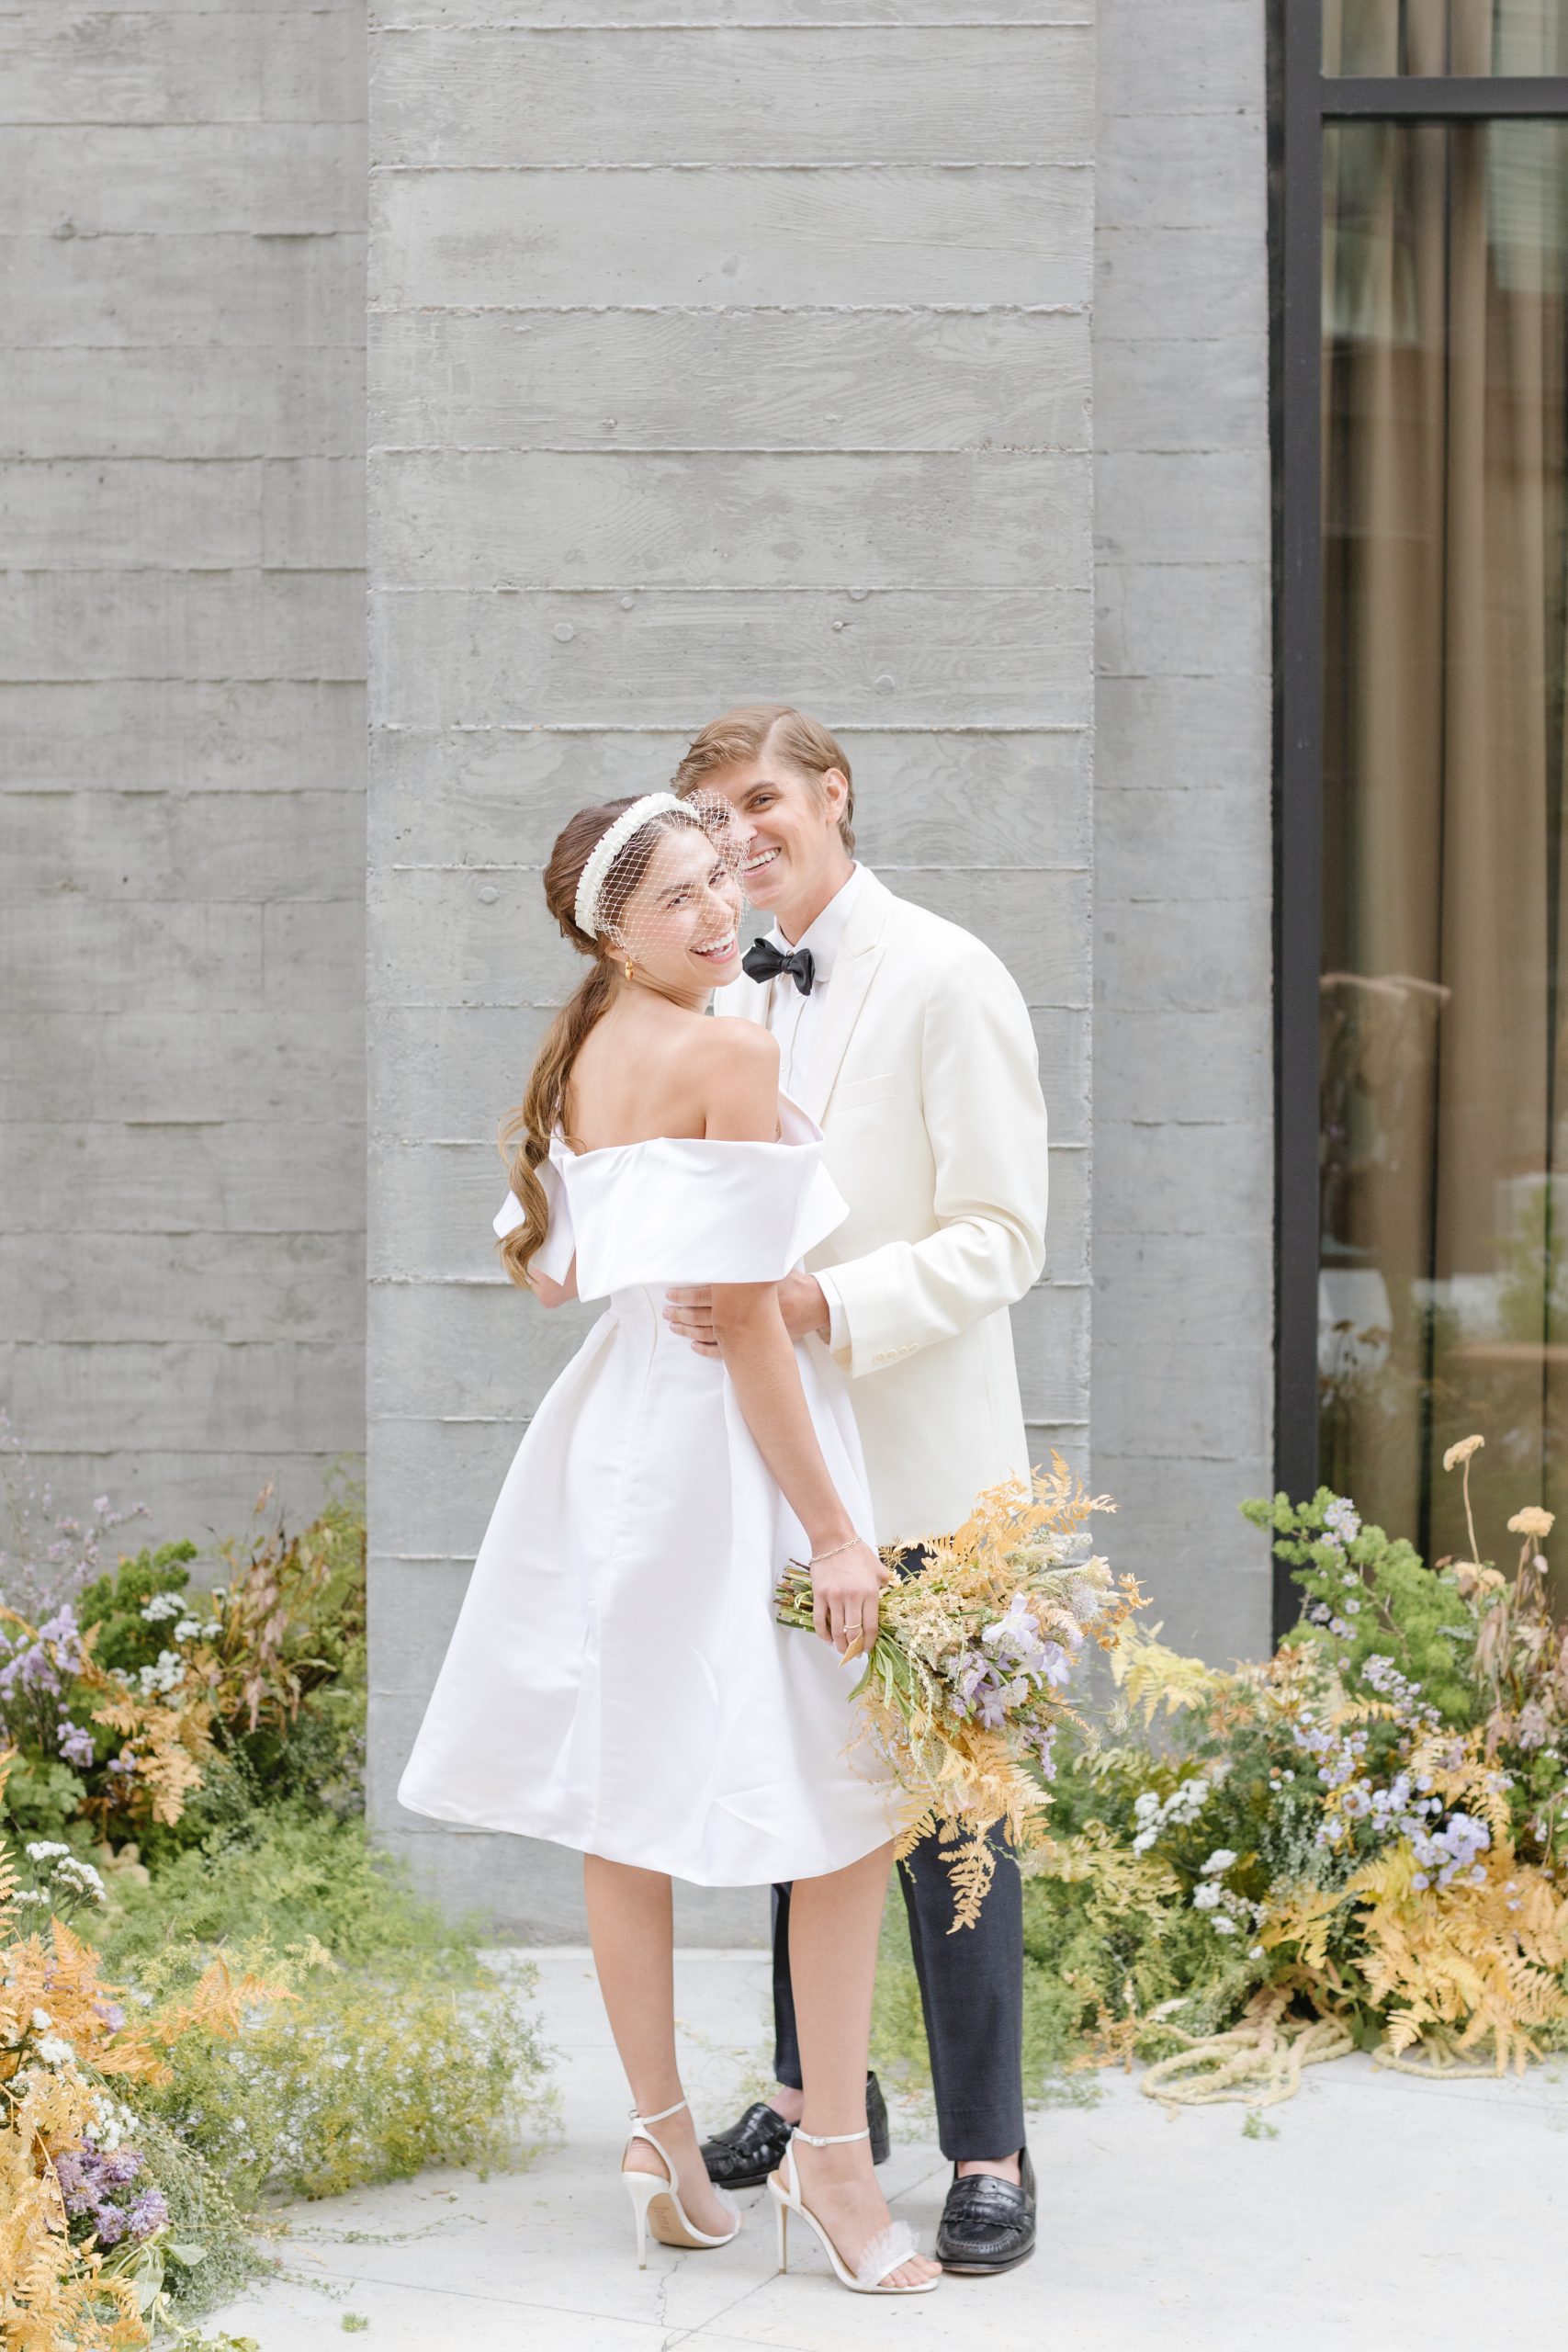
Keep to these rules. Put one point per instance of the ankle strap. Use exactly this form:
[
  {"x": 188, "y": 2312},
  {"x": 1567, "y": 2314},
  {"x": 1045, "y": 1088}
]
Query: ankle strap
[
  {"x": 829, "y": 2139},
  {"x": 660, "y": 2116}
]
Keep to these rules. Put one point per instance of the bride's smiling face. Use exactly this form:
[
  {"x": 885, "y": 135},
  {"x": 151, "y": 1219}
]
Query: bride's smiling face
[{"x": 681, "y": 926}]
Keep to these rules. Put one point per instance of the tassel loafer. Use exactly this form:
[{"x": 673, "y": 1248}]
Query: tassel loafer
[{"x": 743, "y": 2157}]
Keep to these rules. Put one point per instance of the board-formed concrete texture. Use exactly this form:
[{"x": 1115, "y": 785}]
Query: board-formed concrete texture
[
  {"x": 904, "y": 358},
  {"x": 1183, "y": 1101},
  {"x": 182, "y": 708},
  {"x": 711, "y": 360}
]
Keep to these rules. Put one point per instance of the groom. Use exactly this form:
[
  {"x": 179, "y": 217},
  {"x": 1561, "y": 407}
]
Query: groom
[{"x": 909, "y": 1043}]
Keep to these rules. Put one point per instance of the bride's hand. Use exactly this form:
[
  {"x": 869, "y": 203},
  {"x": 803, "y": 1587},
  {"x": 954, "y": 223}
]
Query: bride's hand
[{"x": 844, "y": 1592}]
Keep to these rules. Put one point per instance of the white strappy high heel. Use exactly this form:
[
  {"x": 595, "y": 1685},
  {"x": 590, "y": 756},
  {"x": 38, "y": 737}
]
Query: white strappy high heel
[
  {"x": 656, "y": 2203},
  {"x": 894, "y": 2245}
]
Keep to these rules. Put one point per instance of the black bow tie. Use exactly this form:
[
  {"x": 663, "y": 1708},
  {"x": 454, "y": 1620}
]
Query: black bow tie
[{"x": 765, "y": 962}]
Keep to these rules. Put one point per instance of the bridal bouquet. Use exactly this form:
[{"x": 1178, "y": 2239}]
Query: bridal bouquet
[{"x": 963, "y": 1692}]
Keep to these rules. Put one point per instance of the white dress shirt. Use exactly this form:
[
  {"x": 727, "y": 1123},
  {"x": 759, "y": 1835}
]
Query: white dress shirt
[{"x": 794, "y": 1021}]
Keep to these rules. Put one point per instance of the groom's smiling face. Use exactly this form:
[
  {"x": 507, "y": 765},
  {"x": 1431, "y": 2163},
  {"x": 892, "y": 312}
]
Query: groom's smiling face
[{"x": 789, "y": 822}]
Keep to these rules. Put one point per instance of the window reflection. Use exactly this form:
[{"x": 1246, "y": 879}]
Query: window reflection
[
  {"x": 1443, "y": 1291},
  {"x": 1379, "y": 37}
]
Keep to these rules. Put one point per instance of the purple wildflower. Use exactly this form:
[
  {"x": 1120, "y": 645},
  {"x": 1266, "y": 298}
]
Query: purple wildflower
[
  {"x": 75, "y": 1744},
  {"x": 148, "y": 2212}
]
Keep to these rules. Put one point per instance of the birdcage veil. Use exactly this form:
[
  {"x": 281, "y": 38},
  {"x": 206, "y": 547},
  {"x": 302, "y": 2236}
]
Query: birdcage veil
[{"x": 664, "y": 874}]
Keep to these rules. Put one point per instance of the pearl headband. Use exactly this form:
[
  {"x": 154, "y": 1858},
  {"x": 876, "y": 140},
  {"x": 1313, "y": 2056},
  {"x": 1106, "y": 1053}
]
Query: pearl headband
[{"x": 609, "y": 847}]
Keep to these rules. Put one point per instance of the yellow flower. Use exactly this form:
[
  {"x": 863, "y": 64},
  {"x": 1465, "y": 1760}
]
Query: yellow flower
[
  {"x": 1462, "y": 1451},
  {"x": 1531, "y": 1521}
]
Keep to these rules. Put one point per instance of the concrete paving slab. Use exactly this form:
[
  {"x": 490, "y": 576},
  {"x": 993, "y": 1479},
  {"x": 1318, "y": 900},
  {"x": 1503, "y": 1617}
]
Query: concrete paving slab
[{"x": 1371, "y": 2212}]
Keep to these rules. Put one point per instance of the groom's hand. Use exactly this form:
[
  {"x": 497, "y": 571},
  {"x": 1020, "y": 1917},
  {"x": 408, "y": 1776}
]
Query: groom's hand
[{"x": 690, "y": 1312}]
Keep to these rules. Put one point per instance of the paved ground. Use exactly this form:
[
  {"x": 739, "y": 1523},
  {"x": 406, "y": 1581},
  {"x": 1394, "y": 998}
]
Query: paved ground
[{"x": 1383, "y": 2214}]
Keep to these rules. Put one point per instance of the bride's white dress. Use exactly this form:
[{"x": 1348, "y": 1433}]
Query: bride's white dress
[{"x": 616, "y": 1680}]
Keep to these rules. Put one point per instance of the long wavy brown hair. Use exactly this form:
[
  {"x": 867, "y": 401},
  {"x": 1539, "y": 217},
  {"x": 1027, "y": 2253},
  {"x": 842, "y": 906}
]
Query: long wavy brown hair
[{"x": 525, "y": 1133}]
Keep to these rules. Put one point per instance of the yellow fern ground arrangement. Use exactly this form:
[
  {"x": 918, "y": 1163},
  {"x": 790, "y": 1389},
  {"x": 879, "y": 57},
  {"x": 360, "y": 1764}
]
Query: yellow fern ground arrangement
[
  {"x": 65, "y": 2044},
  {"x": 963, "y": 1691}
]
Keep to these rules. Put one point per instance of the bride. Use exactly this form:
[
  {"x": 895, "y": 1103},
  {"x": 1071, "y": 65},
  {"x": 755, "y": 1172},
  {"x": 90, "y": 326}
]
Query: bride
[{"x": 615, "y": 1681}]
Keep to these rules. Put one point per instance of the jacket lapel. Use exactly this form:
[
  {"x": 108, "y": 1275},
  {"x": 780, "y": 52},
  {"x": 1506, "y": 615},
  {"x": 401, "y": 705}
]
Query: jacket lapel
[
  {"x": 843, "y": 998},
  {"x": 845, "y": 994}
]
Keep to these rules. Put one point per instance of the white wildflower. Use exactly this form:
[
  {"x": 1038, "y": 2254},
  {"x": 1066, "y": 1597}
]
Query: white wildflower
[{"x": 167, "y": 1675}]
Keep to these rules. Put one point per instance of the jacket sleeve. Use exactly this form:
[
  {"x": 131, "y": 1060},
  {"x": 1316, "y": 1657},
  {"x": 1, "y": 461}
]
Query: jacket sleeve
[{"x": 985, "y": 1118}]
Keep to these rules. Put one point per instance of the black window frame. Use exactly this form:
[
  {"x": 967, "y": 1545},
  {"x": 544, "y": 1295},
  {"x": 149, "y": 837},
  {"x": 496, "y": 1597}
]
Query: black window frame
[{"x": 1303, "y": 101}]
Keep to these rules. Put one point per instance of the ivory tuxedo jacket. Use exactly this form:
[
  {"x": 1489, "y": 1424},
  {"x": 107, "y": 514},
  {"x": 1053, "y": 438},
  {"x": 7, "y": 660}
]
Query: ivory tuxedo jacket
[{"x": 925, "y": 1080}]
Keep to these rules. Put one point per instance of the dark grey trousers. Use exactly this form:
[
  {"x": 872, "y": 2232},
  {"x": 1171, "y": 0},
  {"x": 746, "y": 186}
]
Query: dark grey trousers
[
  {"x": 971, "y": 1991},
  {"x": 972, "y": 1994}
]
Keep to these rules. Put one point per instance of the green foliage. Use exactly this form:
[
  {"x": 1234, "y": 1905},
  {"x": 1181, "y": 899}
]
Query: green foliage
[
  {"x": 281, "y": 1877},
  {"x": 126, "y": 1640},
  {"x": 1369, "y": 1827},
  {"x": 209, "y": 2256},
  {"x": 400, "y": 2049},
  {"x": 1381, "y": 1589},
  {"x": 315, "y": 1750},
  {"x": 42, "y": 1798},
  {"x": 332, "y": 2027},
  {"x": 361, "y": 2079}
]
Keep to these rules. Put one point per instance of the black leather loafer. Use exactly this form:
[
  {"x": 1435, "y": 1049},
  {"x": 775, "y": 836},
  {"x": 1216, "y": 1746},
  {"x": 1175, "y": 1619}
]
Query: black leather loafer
[
  {"x": 743, "y": 2157},
  {"x": 987, "y": 2224}
]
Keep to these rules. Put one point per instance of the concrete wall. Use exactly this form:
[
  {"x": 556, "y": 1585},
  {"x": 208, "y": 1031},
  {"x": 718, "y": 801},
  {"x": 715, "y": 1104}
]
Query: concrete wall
[
  {"x": 1183, "y": 1210},
  {"x": 709, "y": 361},
  {"x": 181, "y": 702},
  {"x": 717, "y": 350}
]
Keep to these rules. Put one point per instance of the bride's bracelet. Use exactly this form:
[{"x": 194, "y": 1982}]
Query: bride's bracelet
[{"x": 818, "y": 1558}]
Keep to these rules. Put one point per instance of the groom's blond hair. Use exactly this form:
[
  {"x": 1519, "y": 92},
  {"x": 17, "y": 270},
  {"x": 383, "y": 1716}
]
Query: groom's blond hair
[{"x": 774, "y": 729}]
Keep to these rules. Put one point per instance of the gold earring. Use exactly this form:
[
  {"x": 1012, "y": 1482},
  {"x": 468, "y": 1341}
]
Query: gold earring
[{"x": 628, "y": 968}]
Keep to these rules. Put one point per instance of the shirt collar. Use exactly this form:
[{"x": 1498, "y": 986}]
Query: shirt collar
[{"x": 824, "y": 938}]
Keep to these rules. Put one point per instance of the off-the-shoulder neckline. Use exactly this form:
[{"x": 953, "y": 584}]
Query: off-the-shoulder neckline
[{"x": 700, "y": 1143}]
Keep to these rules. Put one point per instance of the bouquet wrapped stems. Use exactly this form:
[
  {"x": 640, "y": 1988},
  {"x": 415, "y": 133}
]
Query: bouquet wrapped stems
[{"x": 962, "y": 1693}]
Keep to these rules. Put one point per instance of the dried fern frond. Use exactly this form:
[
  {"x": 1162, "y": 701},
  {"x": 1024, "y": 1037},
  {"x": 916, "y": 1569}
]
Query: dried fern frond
[{"x": 1153, "y": 1676}]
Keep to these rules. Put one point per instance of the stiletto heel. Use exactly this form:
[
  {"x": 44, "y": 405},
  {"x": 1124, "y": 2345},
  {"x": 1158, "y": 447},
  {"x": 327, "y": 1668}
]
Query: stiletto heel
[
  {"x": 888, "y": 2249},
  {"x": 656, "y": 2200},
  {"x": 782, "y": 2210},
  {"x": 641, "y": 2187}
]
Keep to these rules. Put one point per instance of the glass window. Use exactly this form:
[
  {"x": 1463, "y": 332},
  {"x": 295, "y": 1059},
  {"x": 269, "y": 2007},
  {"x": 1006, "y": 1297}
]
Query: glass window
[
  {"x": 1377, "y": 37},
  {"x": 1443, "y": 1282}
]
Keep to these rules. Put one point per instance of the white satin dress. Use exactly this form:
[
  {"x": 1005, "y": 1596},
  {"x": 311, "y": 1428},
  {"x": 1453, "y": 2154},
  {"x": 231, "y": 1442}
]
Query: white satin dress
[{"x": 616, "y": 1680}]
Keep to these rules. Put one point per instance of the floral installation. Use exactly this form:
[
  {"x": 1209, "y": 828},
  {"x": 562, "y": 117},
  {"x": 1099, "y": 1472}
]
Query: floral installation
[
  {"x": 86, "y": 2229},
  {"x": 264, "y": 2004},
  {"x": 1361, "y": 1843},
  {"x": 133, "y": 1687},
  {"x": 962, "y": 1689}
]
